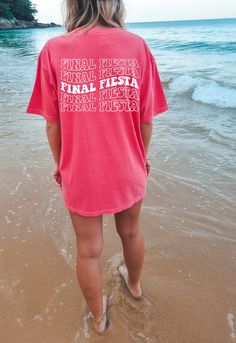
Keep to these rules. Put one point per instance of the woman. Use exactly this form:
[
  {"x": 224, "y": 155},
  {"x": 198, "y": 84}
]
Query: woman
[{"x": 98, "y": 88}]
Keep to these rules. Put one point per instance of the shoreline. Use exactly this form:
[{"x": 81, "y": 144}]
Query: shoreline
[
  {"x": 185, "y": 267},
  {"x": 15, "y": 24}
]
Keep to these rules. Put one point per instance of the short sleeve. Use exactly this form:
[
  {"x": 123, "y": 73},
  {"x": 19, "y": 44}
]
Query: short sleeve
[
  {"x": 152, "y": 97},
  {"x": 44, "y": 100}
]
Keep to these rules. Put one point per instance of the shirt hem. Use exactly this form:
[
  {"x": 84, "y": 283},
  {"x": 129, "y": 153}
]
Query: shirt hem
[
  {"x": 108, "y": 211},
  {"x": 159, "y": 111},
  {"x": 31, "y": 110}
]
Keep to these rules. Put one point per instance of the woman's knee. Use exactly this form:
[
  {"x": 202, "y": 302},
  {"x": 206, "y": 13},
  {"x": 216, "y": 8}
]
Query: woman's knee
[
  {"x": 88, "y": 249},
  {"x": 128, "y": 228},
  {"x": 128, "y": 222},
  {"x": 89, "y": 237},
  {"x": 129, "y": 233}
]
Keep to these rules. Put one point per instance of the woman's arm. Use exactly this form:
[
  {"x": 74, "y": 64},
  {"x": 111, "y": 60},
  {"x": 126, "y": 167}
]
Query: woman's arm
[
  {"x": 53, "y": 130},
  {"x": 146, "y": 131}
]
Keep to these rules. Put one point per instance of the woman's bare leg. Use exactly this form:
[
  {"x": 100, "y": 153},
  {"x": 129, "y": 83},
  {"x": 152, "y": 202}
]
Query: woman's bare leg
[
  {"x": 128, "y": 228},
  {"x": 89, "y": 241}
]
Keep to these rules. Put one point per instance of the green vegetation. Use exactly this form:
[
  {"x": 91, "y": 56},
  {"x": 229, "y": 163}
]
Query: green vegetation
[{"x": 19, "y": 9}]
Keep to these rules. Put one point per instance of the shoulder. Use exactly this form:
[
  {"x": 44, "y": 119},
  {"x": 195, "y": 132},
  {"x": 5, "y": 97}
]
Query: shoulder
[
  {"x": 133, "y": 37},
  {"x": 140, "y": 42},
  {"x": 52, "y": 46},
  {"x": 54, "y": 41},
  {"x": 64, "y": 40}
]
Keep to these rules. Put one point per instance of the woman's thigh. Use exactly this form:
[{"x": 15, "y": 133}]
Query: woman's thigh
[
  {"x": 88, "y": 231},
  {"x": 127, "y": 221}
]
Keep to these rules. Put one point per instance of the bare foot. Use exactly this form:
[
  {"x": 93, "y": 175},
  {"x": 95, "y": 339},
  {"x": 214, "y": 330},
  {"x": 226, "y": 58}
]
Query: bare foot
[
  {"x": 135, "y": 291},
  {"x": 101, "y": 324}
]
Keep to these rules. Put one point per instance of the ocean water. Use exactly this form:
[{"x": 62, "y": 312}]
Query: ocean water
[
  {"x": 195, "y": 140},
  {"x": 196, "y": 61},
  {"x": 188, "y": 215}
]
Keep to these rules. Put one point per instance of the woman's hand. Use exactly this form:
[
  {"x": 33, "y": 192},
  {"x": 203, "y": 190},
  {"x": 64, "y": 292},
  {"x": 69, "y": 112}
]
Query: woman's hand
[
  {"x": 148, "y": 166},
  {"x": 57, "y": 175}
]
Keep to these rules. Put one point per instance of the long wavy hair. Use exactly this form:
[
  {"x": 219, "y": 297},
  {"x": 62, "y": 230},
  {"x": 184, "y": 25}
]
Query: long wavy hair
[{"x": 84, "y": 14}]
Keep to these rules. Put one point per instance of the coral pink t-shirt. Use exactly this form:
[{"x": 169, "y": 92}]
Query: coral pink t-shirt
[{"x": 100, "y": 85}]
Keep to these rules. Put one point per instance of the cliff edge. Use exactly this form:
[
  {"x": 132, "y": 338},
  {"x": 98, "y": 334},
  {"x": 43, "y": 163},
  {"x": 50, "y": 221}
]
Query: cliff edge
[{"x": 7, "y": 24}]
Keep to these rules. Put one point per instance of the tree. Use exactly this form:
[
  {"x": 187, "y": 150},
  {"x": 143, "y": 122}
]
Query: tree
[
  {"x": 20, "y": 9},
  {"x": 5, "y": 10}
]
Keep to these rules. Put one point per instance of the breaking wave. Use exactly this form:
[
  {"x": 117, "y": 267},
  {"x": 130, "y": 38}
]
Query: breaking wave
[{"x": 206, "y": 91}]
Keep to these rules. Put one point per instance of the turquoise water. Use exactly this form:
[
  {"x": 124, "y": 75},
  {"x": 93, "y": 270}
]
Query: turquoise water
[
  {"x": 195, "y": 140},
  {"x": 196, "y": 59}
]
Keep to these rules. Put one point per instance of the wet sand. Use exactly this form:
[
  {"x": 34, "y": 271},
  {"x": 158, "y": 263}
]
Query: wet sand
[{"x": 189, "y": 274}]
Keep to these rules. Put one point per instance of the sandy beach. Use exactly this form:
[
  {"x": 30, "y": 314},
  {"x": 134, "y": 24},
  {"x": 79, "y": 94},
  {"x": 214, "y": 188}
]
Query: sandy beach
[{"x": 188, "y": 279}]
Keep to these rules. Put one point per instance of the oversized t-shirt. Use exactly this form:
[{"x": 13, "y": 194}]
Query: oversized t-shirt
[{"x": 101, "y": 85}]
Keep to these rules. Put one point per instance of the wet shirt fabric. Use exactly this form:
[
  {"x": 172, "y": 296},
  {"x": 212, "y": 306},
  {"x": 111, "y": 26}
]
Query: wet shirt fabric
[{"x": 101, "y": 85}]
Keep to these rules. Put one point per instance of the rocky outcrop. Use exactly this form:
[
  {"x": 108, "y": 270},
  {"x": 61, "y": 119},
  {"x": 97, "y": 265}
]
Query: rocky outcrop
[{"x": 6, "y": 24}]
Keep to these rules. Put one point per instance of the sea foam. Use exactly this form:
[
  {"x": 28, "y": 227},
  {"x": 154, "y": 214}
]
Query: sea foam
[{"x": 206, "y": 91}]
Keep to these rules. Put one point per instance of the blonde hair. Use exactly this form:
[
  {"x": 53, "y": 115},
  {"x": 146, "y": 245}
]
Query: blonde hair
[{"x": 84, "y": 14}]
